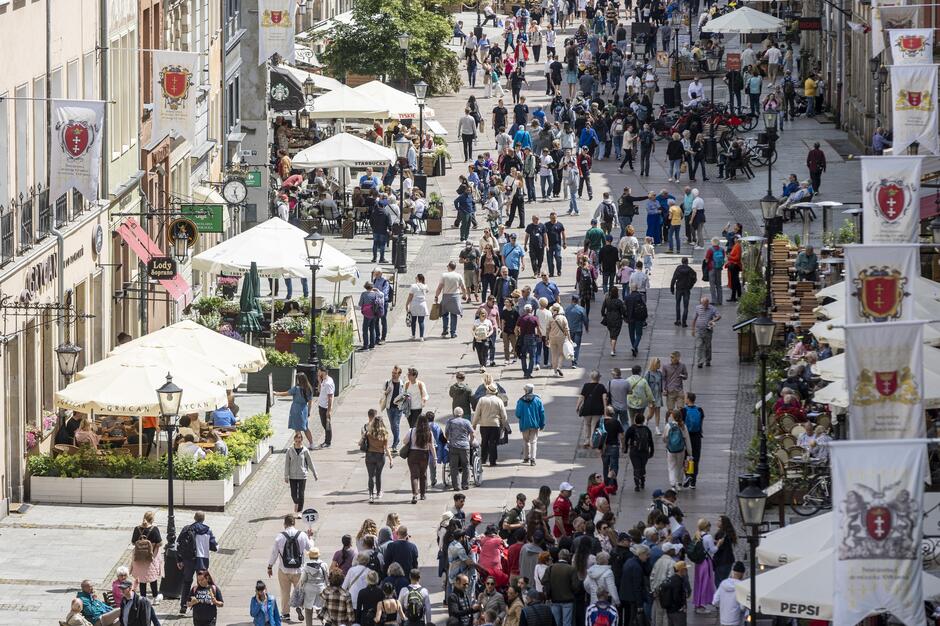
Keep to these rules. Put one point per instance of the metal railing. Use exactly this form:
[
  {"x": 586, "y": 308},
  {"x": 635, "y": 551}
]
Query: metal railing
[
  {"x": 78, "y": 203},
  {"x": 6, "y": 235},
  {"x": 44, "y": 224},
  {"x": 62, "y": 210},
  {"x": 24, "y": 206}
]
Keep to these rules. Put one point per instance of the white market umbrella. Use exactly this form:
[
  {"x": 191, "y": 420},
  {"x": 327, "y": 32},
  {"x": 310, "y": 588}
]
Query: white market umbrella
[
  {"x": 319, "y": 80},
  {"x": 804, "y": 589},
  {"x": 925, "y": 308},
  {"x": 132, "y": 390},
  {"x": 401, "y": 105},
  {"x": 795, "y": 541},
  {"x": 831, "y": 332},
  {"x": 279, "y": 250},
  {"x": 346, "y": 103},
  {"x": 190, "y": 335},
  {"x": 833, "y": 368},
  {"x": 837, "y": 394},
  {"x": 180, "y": 360},
  {"x": 744, "y": 20},
  {"x": 922, "y": 287},
  {"x": 344, "y": 150}
]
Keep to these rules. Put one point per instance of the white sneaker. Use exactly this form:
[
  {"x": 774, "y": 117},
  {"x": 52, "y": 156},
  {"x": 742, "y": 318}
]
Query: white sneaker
[
  {"x": 658, "y": 432},
  {"x": 537, "y": 367},
  {"x": 158, "y": 599}
]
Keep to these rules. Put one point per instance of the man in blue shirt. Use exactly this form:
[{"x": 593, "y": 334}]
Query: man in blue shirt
[
  {"x": 464, "y": 205},
  {"x": 369, "y": 180},
  {"x": 223, "y": 418},
  {"x": 93, "y": 608},
  {"x": 384, "y": 288},
  {"x": 577, "y": 325},
  {"x": 522, "y": 139},
  {"x": 513, "y": 257},
  {"x": 546, "y": 289},
  {"x": 588, "y": 138}
]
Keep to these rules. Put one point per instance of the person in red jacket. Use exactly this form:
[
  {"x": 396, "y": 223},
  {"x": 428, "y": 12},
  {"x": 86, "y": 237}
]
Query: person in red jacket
[
  {"x": 597, "y": 489},
  {"x": 816, "y": 163}
]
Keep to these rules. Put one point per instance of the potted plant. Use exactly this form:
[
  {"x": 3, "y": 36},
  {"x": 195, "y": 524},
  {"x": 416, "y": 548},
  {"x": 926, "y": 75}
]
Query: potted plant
[
  {"x": 441, "y": 157},
  {"x": 281, "y": 367},
  {"x": 336, "y": 347},
  {"x": 435, "y": 223},
  {"x": 287, "y": 329},
  {"x": 226, "y": 286},
  {"x": 750, "y": 305}
]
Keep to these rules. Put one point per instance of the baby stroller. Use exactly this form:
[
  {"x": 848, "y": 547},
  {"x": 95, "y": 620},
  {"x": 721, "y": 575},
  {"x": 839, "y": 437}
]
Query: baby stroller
[{"x": 476, "y": 466}]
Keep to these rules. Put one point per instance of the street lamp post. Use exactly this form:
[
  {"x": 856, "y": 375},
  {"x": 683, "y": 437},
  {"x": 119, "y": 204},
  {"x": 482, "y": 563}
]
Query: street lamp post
[
  {"x": 169, "y": 396},
  {"x": 67, "y": 354},
  {"x": 314, "y": 244},
  {"x": 752, "y": 500},
  {"x": 676, "y": 22},
  {"x": 712, "y": 62},
  {"x": 764, "y": 335},
  {"x": 421, "y": 93},
  {"x": 404, "y": 41},
  {"x": 399, "y": 240}
]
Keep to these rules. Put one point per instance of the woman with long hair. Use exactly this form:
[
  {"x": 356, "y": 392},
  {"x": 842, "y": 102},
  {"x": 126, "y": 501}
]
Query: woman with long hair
[
  {"x": 734, "y": 265},
  {"x": 725, "y": 540},
  {"x": 420, "y": 454},
  {"x": 301, "y": 405},
  {"x": 613, "y": 312},
  {"x": 417, "y": 305},
  {"x": 204, "y": 599},
  {"x": 147, "y": 568},
  {"x": 417, "y": 396},
  {"x": 654, "y": 376},
  {"x": 369, "y": 527},
  {"x": 377, "y": 450},
  {"x": 298, "y": 463},
  {"x": 86, "y": 435},
  {"x": 345, "y": 557},
  {"x": 678, "y": 445},
  {"x": 704, "y": 589}
]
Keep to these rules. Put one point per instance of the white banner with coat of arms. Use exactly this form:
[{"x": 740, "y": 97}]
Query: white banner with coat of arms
[
  {"x": 884, "y": 375},
  {"x": 914, "y": 99},
  {"x": 275, "y": 29},
  {"x": 877, "y": 497},
  {"x": 75, "y": 159},
  {"x": 878, "y": 282},
  {"x": 175, "y": 75},
  {"x": 911, "y": 46},
  {"x": 890, "y": 186}
]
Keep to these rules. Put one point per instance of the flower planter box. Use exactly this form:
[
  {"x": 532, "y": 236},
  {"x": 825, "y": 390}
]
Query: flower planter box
[
  {"x": 208, "y": 493},
  {"x": 107, "y": 491},
  {"x": 747, "y": 346},
  {"x": 284, "y": 341},
  {"x": 55, "y": 489},
  {"x": 282, "y": 379},
  {"x": 302, "y": 350},
  {"x": 261, "y": 451},
  {"x": 242, "y": 472},
  {"x": 434, "y": 226},
  {"x": 153, "y": 491}
]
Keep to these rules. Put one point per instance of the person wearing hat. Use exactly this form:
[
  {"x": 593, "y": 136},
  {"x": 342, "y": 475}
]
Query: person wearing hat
[
  {"x": 313, "y": 581},
  {"x": 135, "y": 609},
  {"x": 475, "y": 520},
  {"x": 561, "y": 583},
  {"x": 674, "y": 594},
  {"x": 561, "y": 509},
  {"x": 663, "y": 568},
  {"x": 730, "y": 611},
  {"x": 490, "y": 416}
]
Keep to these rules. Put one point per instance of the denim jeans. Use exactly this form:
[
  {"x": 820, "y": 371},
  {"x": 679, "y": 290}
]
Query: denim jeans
[
  {"x": 608, "y": 280},
  {"x": 452, "y": 327},
  {"x": 674, "y": 238},
  {"x": 675, "y": 168},
  {"x": 530, "y": 188},
  {"x": 563, "y": 612},
  {"x": 394, "y": 416},
  {"x": 636, "y": 334},
  {"x": 370, "y": 335},
  {"x": 810, "y": 107},
  {"x": 611, "y": 461},
  {"x": 527, "y": 357},
  {"x": 714, "y": 279},
  {"x": 573, "y": 198},
  {"x": 546, "y": 184},
  {"x": 755, "y": 103},
  {"x": 290, "y": 287},
  {"x": 554, "y": 259},
  {"x": 682, "y": 305},
  {"x": 379, "y": 241},
  {"x": 576, "y": 340},
  {"x": 417, "y": 320}
]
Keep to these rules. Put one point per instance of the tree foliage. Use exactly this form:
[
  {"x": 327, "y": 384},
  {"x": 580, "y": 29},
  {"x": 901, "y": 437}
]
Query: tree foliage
[{"x": 369, "y": 44}]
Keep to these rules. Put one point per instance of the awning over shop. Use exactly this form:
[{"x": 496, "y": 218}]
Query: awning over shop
[
  {"x": 189, "y": 334},
  {"x": 285, "y": 93},
  {"x": 207, "y": 195},
  {"x": 435, "y": 127},
  {"x": 744, "y": 20},
  {"x": 401, "y": 105},
  {"x": 347, "y": 103},
  {"x": 146, "y": 248},
  {"x": 344, "y": 150}
]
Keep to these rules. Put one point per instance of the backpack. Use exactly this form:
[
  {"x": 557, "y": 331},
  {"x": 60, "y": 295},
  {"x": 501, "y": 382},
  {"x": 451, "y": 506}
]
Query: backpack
[
  {"x": 675, "y": 442},
  {"x": 143, "y": 549},
  {"x": 414, "y": 605},
  {"x": 640, "y": 313},
  {"x": 186, "y": 543},
  {"x": 368, "y": 310},
  {"x": 374, "y": 564},
  {"x": 291, "y": 556},
  {"x": 602, "y": 615},
  {"x": 317, "y": 576},
  {"x": 788, "y": 87},
  {"x": 667, "y": 595},
  {"x": 696, "y": 552},
  {"x": 609, "y": 212},
  {"x": 693, "y": 419},
  {"x": 643, "y": 440},
  {"x": 599, "y": 437},
  {"x": 718, "y": 258}
]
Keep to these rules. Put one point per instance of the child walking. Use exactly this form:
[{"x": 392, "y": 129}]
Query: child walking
[{"x": 649, "y": 252}]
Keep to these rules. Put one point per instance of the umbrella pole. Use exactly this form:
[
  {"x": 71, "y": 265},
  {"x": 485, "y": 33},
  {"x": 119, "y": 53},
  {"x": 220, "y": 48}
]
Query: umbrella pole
[{"x": 140, "y": 436}]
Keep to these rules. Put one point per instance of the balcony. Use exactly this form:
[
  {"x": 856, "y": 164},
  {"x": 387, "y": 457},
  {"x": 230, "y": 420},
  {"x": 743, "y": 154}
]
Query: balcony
[
  {"x": 44, "y": 227},
  {"x": 6, "y": 235},
  {"x": 24, "y": 207},
  {"x": 62, "y": 211}
]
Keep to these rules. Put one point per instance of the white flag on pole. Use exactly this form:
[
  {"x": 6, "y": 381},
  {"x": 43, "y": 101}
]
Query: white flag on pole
[
  {"x": 877, "y": 498},
  {"x": 911, "y": 46},
  {"x": 884, "y": 375},
  {"x": 275, "y": 29},
  {"x": 914, "y": 99},
  {"x": 890, "y": 186},
  {"x": 174, "y": 97},
  {"x": 75, "y": 159},
  {"x": 877, "y": 31},
  {"x": 878, "y": 282}
]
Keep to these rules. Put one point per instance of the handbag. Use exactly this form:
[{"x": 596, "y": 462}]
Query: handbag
[
  {"x": 435, "y": 311},
  {"x": 408, "y": 319},
  {"x": 405, "y": 450},
  {"x": 504, "y": 436},
  {"x": 689, "y": 466},
  {"x": 297, "y": 598},
  {"x": 364, "y": 441}
]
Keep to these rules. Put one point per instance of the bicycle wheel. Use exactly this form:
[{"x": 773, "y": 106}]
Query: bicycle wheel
[
  {"x": 812, "y": 501},
  {"x": 749, "y": 122},
  {"x": 476, "y": 469}
]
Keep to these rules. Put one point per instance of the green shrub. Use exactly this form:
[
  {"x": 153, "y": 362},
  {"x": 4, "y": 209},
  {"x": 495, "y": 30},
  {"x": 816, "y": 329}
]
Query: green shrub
[
  {"x": 336, "y": 343},
  {"x": 208, "y": 304},
  {"x": 257, "y": 427},
  {"x": 214, "y": 467},
  {"x": 241, "y": 446},
  {"x": 276, "y": 358},
  {"x": 40, "y": 465}
]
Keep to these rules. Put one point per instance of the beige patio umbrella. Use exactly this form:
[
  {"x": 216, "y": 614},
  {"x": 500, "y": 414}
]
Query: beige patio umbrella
[
  {"x": 131, "y": 389},
  {"x": 923, "y": 287},
  {"x": 217, "y": 347},
  {"x": 832, "y": 332},
  {"x": 180, "y": 360}
]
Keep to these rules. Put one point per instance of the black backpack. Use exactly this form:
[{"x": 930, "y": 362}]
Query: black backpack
[
  {"x": 186, "y": 543},
  {"x": 643, "y": 440},
  {"x": 414, "y": 605},
  {"x": 669, "y": 594},
  {"x": 374, "y": 563},
  {"x": 640, "y": 312},
  {"x": 609, "y": 212},
  {"x": 291, "y": 555}
]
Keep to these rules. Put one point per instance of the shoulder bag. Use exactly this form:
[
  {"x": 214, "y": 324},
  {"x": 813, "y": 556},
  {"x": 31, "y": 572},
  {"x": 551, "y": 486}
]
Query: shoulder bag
[{"x": 406, "y": 448}]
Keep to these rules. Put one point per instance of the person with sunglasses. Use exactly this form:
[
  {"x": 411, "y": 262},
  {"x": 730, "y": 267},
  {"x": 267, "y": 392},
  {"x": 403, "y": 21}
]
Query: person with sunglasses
[{"x": 205, "y": 599}]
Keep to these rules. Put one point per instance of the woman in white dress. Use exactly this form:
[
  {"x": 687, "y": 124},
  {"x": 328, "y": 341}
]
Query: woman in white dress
[{"x": 417, "y": 305}]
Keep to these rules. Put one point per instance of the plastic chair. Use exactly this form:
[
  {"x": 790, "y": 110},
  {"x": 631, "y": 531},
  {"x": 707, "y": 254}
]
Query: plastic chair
[
  {"x": 824, "y": 420},
  {"x": 787, "y": 441}
]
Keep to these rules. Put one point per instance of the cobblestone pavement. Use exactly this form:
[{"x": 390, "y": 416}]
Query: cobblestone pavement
[{"x": 247, "y": 528}]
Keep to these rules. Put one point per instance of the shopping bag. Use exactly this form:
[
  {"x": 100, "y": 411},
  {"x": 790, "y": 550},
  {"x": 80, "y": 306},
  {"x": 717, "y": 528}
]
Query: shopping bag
[
  {"x": 689, "y": 466},
  {"x": 435, "y": 311},
  {"x": 567, "y": 349}
]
